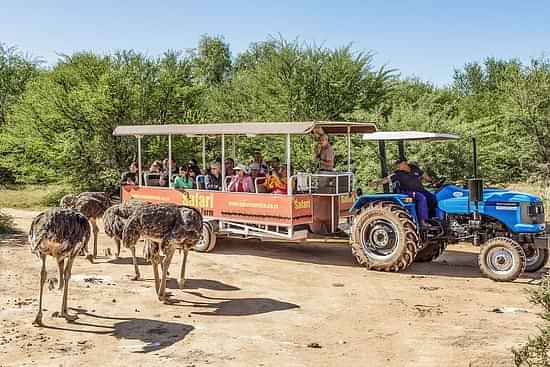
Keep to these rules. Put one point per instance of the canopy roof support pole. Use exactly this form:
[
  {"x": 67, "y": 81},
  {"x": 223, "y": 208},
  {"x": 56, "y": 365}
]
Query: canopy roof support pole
[
  {"x": 401, "y": 147},
  {"x": 204, "y": 153},
  {"x": 233, "y": 149},
  {"x": 139, "y": 160},
  {"x": 223, "y": 162},
  {"x": 383, "y": 163},
  {"x": 169, "y": 160},
  {"x": 288, "y": 183},
  {"x": 349, "y": 149}
]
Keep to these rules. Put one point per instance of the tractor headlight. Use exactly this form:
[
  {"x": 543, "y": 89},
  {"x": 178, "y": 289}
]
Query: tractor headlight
[{"x": 532, "y": 213}]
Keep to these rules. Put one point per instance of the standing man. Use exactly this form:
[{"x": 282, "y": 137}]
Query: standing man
[{"x": 324, "y": 155}]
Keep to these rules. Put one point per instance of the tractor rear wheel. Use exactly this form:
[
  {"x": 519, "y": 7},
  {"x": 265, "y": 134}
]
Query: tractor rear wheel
[
  {"x": 208, "y": 239},
  {"x": 431, "y": 252},
  {"x": 535, "y": 258},
  {"x": 501, "y": 259},
  {"x": 384, "y": 237}
]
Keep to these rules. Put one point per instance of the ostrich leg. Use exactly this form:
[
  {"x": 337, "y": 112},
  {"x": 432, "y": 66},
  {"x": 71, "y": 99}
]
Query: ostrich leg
[
  {"x": 134, "y": 260},
  {"x": 166, "y": 263},
  {"x": 182, "y": 270},
  {"x": 64, "y": 313},
  {"x": 155, "y": 264},
  {"x": 38, "y": 320},
  {"x": 61, "y": 266},
  {"x": 117, "y": 248},
  {"x": 95, "y": 230}
]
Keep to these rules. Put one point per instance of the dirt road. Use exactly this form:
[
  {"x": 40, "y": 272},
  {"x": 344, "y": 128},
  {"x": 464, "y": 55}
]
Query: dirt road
[{"x": 262, "y": 304}]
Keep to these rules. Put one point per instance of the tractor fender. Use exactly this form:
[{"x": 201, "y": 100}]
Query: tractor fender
[{"x": 398, "y": 199}]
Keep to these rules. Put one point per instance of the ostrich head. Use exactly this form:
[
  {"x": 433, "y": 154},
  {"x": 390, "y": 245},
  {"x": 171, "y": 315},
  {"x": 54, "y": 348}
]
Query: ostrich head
[
  {"x": 191, "y": 219},
  {"x": 68, "y": 201}
]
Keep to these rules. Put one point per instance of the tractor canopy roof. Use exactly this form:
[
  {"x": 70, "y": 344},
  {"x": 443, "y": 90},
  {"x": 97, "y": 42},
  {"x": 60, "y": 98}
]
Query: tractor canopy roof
[{"x": 408, "y": 136}]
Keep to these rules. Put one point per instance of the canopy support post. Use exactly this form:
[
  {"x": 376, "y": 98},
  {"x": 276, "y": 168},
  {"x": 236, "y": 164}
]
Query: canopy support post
[
  {"x": 169, "y": 160},
  {"x": 349, "y": 149},
  {"x": 204, "y": 152},
  {"x": 233, "y": 149},
  {"x": 383, "y": 164},
  {"x": 139, "y": 161},
  {"x": 401, "y": 147},
  {"x": 288, "y": 183},
  {"x": 223, "y": 162}
]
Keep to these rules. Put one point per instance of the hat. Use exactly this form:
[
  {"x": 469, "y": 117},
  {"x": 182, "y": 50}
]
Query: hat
[
  {"x": 401, "y": 160},
  {"x": 241, "y": 167}
]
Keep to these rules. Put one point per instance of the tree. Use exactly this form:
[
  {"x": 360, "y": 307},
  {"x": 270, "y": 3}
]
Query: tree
[
  {"x": 213, "y": 59},
  {"x": 16, "y": 71}
]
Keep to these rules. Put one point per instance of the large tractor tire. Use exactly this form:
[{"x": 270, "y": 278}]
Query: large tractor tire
[
  {"x": 208, "y": 239},
  {"x": 384, "y": 237},
  {"x": 502, "y": 259},
  {"x": 431, "y": 252},
  {"x": 535, "y": 258}
]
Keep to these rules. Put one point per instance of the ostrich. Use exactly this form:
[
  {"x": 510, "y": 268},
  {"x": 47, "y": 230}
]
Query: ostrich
[
  {"x": 114, "y": 220},
  {"x": 168, "y": 227},
  {"x": 92, "y": 205},
  {"x": 62, "y": 234}
]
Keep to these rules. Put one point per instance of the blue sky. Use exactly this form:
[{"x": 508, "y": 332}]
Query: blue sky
[{"x": 426, "y": 39}]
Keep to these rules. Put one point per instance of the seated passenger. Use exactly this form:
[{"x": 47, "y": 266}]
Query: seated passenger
[
  {"x": 156, "y": 167},
  {"x": 184, "y": 180},
  {"x": 130, "y": 177},
  {"x": 214, "y": 178},
  {"x": 256, "y": 171},
  {"x": 241, "y": 182},
  {"x": 276, "y": 182},
  {"x": 259, "y": 161},
  {"x": 229, "y": 167},
  {"x": 275, "y": 163},
  {"x": 193, "y": 165},
  {"x": 410, "y": 182}
]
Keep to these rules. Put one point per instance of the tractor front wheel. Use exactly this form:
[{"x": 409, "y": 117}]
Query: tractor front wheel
[
  {"x": 536, "y": 258},
  {"x": 384, "y": 237},
  {"x": 501, "y": 259}
]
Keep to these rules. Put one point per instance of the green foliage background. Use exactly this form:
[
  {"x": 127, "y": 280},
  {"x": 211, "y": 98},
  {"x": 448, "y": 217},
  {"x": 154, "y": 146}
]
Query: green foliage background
[{"x": 56, "y": 123}]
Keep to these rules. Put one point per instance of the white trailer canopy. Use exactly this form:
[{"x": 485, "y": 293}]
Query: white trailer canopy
[
  {"x": 248, "y": 128},
  {"x": 408, "y": 136}
]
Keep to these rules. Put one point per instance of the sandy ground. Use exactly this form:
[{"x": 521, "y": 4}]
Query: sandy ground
[{"x": 262, "y": 304}]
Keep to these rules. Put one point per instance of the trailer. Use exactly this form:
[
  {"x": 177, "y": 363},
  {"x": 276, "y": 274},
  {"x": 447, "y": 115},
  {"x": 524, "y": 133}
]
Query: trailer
[{"x": 316, "y": 206}]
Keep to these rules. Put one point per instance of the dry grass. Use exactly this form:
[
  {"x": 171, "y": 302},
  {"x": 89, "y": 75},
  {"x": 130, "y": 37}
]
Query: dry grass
[
  {"x": 540, "y": 189},
  {"x": 30, "y": 196}
]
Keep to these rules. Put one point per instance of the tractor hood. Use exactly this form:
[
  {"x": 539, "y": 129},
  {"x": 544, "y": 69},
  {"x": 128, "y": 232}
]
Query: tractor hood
[{"x": 520, "y": 212}]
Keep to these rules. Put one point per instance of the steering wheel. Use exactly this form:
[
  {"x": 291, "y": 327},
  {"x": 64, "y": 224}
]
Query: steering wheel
[{"x": 439, "y": 182}]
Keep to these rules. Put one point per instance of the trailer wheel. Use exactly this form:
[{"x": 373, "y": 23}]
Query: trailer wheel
[
  {"x": 208, "y": 240},
  {"x": 384, "y": 237},
  {"x": 501, "y": 259},
  {"x": 535, "y": 258},
  {"x": 431, "y": 252}
]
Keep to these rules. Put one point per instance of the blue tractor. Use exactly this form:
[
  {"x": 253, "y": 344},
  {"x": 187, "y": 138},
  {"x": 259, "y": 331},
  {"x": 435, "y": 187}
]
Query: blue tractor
[{"x": 509, "y": 226}]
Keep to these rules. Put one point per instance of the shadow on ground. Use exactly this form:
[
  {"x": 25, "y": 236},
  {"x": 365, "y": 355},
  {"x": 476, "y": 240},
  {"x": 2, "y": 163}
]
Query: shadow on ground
[
  {"x": 16, "y": 239},
  {"x": 154, "y": 335},
  {"x": 312, "y": 253},
  {"x": 234, "y": 307},
  {"x": 214, "y": 285}
]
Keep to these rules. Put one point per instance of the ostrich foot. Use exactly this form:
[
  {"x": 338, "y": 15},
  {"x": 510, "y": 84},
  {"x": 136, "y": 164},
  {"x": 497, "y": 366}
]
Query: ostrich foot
[
  {"x": 136, "y": 277},
  {"x": 52, "y": 282},
  {"x": 38, "y": 320},
  {"x": 90, "y": 258},
  {"x": 66, "y": 316},
  {"x": 181, "y": 283}
]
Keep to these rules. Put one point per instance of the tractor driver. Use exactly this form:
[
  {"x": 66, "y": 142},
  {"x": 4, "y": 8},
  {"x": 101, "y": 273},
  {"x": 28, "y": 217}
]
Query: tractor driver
[{"x": 409, "y": 178}]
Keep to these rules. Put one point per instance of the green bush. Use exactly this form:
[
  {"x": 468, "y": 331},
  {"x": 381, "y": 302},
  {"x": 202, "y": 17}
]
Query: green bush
[
  {"x": 6, "y": 223},
  {"x": 536, "y": 352}
]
